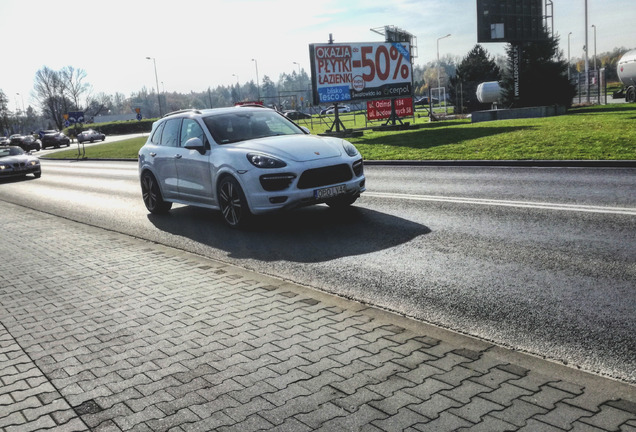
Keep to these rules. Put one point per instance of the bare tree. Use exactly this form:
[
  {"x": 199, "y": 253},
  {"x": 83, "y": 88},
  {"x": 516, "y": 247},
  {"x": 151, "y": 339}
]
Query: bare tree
[
  {"x": 49, "y": 92},
  {"x": 74, "y": 85}
]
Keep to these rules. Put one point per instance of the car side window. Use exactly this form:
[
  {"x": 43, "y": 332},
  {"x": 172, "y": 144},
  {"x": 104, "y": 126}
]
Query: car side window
[
  {"x": 156, "y": 135},
  {"x": 170, "y": 135},
  {"x": 191, "y": 129}
]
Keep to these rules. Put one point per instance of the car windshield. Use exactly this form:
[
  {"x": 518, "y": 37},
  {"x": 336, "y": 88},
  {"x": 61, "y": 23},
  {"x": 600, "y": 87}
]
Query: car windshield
[
  {"x": 10, "y": 151},
  {"x": 246, "y": 125}
]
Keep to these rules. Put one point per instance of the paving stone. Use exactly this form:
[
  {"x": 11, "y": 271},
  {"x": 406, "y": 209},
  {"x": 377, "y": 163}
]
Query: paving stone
[{"x": 141, "y": 351}]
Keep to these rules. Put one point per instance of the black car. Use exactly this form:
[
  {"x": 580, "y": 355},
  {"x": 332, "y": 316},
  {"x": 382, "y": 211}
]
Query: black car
[
  {"x": 14, "y": 162},
  {"x": 296, "y": 115},
  {"x": 25, "y": 142},
  {"x": 52, "y": 138}
]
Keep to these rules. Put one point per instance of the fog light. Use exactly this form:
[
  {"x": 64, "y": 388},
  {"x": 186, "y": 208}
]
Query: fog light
[{"x": 278, "y": 199}]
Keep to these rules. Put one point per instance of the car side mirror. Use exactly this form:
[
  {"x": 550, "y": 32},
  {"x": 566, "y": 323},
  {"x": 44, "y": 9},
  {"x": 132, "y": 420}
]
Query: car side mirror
[
  {"x": 195, "y": 144},
  {"x": 307, "y": 131}
]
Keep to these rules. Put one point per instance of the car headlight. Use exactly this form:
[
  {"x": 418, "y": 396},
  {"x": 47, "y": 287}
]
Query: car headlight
[
  {"x": 350, "y": 148},
  {"x": 33, "y": 163},
  {"x": 3, "y": 167},
  {"x": 263, "y": 161}
]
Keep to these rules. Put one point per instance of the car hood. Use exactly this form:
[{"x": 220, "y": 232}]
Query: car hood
[{"x": 299, "y": 148}]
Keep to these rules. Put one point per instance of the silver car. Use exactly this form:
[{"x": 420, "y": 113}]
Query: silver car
[{"x": 245, "y": 161}]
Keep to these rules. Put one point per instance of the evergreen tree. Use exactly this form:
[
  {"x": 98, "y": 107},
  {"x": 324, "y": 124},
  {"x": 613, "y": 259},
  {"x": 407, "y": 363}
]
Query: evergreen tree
[
  {"x": 543, "y": 76},
  {"x": 477, "y": 67}
]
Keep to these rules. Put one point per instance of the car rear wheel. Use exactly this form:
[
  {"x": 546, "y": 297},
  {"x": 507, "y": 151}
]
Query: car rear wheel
[
  {"x": 151, "y": 195},
  {"x": 232, "y": 203}
]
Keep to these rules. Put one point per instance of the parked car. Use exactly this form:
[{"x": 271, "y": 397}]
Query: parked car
[
  {"x": 25, "y": 142},
  {"x": 332, "y": 109},
  {"x": 245, "y": 161},
  {"x": 14, "y": 162},
  {"x": 90, "y": 135},
  {"x": 424, "y": 101},
  {"x": 296, "y": 115},
  {"x": 4, "y": 140},
  {"x": 53, "y": 138}
]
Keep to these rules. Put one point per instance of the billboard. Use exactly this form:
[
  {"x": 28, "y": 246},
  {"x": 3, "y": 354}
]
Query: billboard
[
  {"x": 510, "y": 21},
  {"x": 381, "y": 109},
  {"x": 349, "y": 72}
]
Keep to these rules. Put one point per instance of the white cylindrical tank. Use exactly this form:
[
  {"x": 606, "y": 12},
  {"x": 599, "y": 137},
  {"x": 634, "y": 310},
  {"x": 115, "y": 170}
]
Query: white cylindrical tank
[
  {"x": 489, "y": 92},
  {"x": 626, "y": 68}
]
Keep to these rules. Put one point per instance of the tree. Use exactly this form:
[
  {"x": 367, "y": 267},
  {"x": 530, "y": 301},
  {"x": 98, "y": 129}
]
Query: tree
[
  {"x": 5, "y": 118},
  {"x": 543, "y": 77},
  {"x": 49, "y": 91},
  {"x": 477, "y": 67}
]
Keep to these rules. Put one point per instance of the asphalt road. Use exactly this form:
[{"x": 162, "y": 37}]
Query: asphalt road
[{"x": 541, "y": 260}]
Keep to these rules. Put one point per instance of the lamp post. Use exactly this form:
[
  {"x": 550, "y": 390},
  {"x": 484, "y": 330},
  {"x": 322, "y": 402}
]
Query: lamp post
[
  {"x": 594, "y": 27},
  {"x": 258, "y": 86},
  {"x": 438, "y": 68},
  {"x": 157, "y": 82},
  {"x": 298, "y": 64},
  {"x": 569, "y": 34}
]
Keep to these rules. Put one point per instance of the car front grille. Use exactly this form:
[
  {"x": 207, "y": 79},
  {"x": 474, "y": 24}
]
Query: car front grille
[{"x": 325, "y": 176}]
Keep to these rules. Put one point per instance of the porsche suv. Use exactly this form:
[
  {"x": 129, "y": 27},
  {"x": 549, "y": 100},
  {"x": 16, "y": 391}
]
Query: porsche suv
[{"x": 245, "y": 161}]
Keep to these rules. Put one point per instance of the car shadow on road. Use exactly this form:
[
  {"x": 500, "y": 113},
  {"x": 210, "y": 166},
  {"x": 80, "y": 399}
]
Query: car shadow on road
[{"x": 311, "y": 234}]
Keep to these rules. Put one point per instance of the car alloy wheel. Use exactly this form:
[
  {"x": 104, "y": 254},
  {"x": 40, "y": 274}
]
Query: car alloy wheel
[
  {"x": 152, "y": 195},
  {"x": 232, "y": 202}
]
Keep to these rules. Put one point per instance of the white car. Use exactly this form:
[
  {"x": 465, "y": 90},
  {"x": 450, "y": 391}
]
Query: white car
[
  {"x": 245, "y": 161},
  {"x": 90, "y": 135}
]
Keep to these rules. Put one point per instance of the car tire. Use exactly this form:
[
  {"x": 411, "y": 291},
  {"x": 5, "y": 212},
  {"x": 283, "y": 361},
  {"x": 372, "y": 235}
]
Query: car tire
[
  {"x": 151, "y": 195},
  {"x": 232, "y": 202},
  {"x": 341, "y": 202}
]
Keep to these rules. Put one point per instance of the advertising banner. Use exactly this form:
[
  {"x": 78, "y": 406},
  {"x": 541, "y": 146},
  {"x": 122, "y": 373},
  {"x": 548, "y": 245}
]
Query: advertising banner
[
  {"x": 381, "y": 109},
  {"x": 360, "y": 71}
]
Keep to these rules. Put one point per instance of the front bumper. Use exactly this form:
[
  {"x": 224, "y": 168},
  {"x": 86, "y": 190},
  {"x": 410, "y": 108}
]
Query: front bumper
[{"x": 301, "y": 190}]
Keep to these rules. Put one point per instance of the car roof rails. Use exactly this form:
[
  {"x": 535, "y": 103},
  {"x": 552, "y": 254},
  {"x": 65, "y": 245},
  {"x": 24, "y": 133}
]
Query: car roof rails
[{"x": 196, "y": 111}]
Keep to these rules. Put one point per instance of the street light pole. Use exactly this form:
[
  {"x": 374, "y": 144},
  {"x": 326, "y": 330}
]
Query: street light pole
[
  {"x": 157, "y": 82},
  {"x": 569, "y": 34},
  {"x": 594, "y": 27},
  {"x": 258, "y": 86},
  {"x": 439, "y": 86}
]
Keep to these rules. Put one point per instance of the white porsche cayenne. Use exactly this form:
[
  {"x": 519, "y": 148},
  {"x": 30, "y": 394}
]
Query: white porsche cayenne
[{"x": 245, "y": 161}]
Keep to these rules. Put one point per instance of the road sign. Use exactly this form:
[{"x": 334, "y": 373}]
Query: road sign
[{"x": 76, "y": 117}]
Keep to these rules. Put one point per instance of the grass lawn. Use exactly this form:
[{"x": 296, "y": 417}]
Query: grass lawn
[{"x": 591, "y": 133}]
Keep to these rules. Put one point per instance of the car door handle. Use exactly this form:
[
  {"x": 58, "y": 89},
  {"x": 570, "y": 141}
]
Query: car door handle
[{"x": 178, "y": 156}]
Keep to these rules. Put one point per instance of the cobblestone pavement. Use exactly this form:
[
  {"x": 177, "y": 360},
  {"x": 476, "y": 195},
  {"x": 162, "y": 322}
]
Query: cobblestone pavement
[{"x": 104, "y": 332}]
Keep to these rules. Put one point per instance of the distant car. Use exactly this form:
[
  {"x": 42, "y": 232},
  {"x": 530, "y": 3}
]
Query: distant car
[
  {"x": 4, "y": 140},
  {"x": 25, "y": 142},
  {"x": 296, "y": 115},
  {"x": 52, "y": 138},
  {"x": 245, "y": 161},
  {"x": 424, "y": 101},
  {"x": 90, "y": 135},
  {"x": 332, "y": 109},
  {"x": 14, "y": 162}
]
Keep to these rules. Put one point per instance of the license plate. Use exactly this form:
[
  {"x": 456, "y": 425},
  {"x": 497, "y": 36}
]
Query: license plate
[{"x": 330, "y": 192}]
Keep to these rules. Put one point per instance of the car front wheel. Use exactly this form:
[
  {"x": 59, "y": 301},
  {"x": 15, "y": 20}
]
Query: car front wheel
[
  {"x": 151, "y": 195},
  {"x": 232, "y": 203}
]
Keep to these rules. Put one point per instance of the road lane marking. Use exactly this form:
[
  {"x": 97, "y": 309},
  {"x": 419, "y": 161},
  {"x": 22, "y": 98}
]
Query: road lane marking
[{"x": 506, "y": 203}]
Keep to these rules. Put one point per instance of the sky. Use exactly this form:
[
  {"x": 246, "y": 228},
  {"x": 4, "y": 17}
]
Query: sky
[{"x": 198, "y": 44}]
